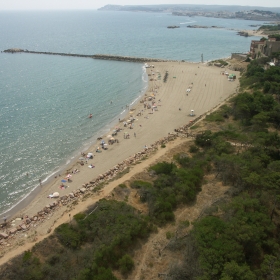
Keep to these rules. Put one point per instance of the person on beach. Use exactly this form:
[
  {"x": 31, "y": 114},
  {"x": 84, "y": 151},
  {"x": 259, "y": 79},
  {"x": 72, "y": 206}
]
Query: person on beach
[
  {"x": 40, "y": 182},
  {"x": 134, "y": 134}
]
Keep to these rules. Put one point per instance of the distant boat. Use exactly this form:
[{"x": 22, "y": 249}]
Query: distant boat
[{"x": 90, "y": 116}]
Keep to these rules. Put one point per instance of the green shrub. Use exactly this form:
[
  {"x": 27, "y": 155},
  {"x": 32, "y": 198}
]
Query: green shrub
[
  {"x": 79, "y": 216},
  {"x": 193, "y": 149},
  {"x": 140, "y": 184},
  {"x": 163, "y": 167},
  {"x": 215, "y": 117},
  {"x": 126, "y": 264},
  {"x": 169, "y": 235},
  {"x": 68, "y": 236}
]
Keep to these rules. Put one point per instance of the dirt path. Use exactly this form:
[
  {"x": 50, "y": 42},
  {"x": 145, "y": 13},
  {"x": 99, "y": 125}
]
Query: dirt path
[
  {"x": 63, "y": 215},
  {"x": 153, "y": 258}
]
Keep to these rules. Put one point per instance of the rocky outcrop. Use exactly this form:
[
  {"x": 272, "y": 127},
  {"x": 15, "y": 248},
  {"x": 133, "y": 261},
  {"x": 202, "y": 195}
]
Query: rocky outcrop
[{"x": 243, "y": 33}]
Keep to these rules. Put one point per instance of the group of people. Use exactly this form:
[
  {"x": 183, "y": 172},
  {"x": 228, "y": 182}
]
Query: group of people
[{"x": 126, "y": 136}]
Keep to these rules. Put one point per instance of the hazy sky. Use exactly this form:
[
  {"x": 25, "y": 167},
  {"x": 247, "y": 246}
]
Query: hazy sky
[{"x": 95, "y": 4}]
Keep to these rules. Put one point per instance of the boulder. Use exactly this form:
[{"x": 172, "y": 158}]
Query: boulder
[
  {"x": 13, "y": 230},
  {"x": 3, "y": 235},
  {"x": 23, "y": 226},
  {"x": 83, "y": 190}
]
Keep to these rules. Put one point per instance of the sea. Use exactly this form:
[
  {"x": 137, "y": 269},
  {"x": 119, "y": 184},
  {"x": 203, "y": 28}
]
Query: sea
[{"x": 45, "y": 100}]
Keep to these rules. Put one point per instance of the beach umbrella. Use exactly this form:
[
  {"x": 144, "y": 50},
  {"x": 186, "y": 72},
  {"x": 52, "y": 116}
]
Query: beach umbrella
[
  {"x": 68, "y": 176},
  {"x": 109, "y": 136},
  {"x": 112, "y": 138},
  {"x": 90, "y": 154},
  {"x": 63, "y": 181},
  {"x": 55, "y": 194}
]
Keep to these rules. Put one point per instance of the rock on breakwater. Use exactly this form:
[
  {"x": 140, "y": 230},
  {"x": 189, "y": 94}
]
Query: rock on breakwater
[{"x": 94, "y": 56}]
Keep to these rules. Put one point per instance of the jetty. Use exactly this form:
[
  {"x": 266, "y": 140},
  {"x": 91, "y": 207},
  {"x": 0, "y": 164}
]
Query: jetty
[{"x": 94, "y": 56}]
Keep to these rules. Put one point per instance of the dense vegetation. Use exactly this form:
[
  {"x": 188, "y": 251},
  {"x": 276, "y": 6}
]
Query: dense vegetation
[
  {"x": 243, "y": 240},
  {"x": 270, "y": 27},
  {"x": 173, "y": 186},
  {"x": 86, "y": 248}
]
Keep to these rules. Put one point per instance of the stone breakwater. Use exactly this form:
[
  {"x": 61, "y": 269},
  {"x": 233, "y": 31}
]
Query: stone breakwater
[{"x": 94, "y": 56}]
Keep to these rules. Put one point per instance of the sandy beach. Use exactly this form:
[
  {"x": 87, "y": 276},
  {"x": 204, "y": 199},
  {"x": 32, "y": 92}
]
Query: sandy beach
[
  {"x": 257, "y": 33},
  {"x": 207, "y": 86}
]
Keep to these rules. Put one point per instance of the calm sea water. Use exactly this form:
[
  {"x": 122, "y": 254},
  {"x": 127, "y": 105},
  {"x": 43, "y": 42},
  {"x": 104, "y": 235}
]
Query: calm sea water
[{"x": 45, "y": 100}]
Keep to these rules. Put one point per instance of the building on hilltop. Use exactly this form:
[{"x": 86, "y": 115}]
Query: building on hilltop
[
  {"x": 257, "y": 48},
  {"x": 271, "y": 46},
  {"x": 264, "y": 47}
]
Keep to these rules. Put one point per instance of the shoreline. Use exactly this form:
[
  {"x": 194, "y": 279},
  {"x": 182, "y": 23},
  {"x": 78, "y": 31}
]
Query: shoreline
[
  {"x": 71, "y": 159},
  {"x": 252, "y": 32},
  {"x": 208, "y": 89}
]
